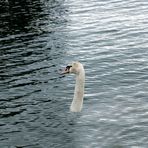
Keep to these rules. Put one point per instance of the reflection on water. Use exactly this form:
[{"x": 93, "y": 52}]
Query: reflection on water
[
  {"x": 38, "y": 38},
  {"x": 18, "y": 16}
]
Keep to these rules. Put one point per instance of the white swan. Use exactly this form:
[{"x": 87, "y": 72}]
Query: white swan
[{"x": 78, "y": 69}]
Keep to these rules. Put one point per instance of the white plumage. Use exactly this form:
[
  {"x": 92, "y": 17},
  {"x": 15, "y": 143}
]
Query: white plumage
[{"x": 78, "y": 69}]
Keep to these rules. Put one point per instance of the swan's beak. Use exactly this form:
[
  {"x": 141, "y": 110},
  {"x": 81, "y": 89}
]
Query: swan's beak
[{"x": 66, "y": 70}]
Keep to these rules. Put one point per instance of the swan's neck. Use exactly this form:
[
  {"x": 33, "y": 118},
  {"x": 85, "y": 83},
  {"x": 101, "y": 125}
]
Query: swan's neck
[{"x": 77, "y": 102}]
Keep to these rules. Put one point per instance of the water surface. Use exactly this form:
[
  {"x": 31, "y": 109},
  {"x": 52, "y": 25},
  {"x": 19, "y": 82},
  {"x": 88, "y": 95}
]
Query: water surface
[{"x": 38, "y": 38}]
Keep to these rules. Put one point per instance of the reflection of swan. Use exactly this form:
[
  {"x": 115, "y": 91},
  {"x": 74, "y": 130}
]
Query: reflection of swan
[{"x": 78, "y": 69}]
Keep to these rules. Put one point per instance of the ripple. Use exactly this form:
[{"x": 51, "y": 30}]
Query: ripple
[
  {"x": 12, "y": 113},
  {"x": 109, "y": 38}
]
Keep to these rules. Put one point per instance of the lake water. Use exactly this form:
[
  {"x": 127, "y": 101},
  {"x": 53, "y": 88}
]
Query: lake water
[{"x": 37, "y": 38}]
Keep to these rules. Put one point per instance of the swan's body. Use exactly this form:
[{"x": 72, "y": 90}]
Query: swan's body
[{"x": 78, "y": 69}]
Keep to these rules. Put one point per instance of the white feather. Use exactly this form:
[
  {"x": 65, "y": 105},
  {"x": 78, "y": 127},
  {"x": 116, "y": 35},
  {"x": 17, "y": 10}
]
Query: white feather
[{"x": 77, "y": 102}]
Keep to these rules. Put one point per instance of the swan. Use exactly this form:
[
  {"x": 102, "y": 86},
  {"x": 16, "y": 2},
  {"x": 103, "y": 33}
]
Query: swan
[{"x": 77, "y": 69}]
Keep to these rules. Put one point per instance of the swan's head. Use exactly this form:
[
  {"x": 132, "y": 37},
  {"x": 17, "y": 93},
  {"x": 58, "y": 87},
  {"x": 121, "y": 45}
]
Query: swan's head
[{"x": 75, "y": 68}]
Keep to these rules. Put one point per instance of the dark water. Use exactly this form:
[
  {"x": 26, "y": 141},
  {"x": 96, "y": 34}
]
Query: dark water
[{"x": 38, "y": 38}]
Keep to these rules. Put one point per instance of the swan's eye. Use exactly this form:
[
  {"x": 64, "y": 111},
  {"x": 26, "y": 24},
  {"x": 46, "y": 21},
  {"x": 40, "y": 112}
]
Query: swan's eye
[
  {"x": 68, "y": 67},
  {"x": 66, "y": 70}
]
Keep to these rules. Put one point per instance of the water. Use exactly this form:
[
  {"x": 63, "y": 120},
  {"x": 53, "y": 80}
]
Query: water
[{"x": 38, "y": 38}]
